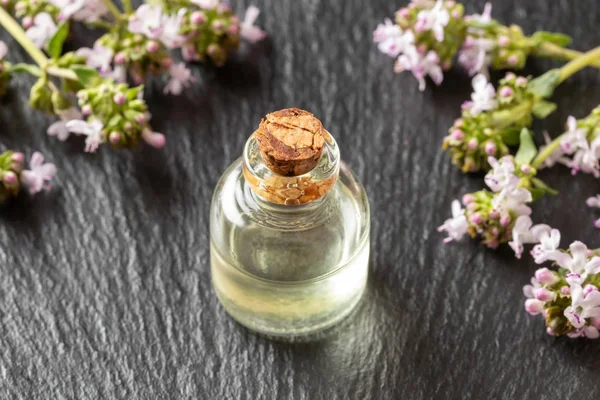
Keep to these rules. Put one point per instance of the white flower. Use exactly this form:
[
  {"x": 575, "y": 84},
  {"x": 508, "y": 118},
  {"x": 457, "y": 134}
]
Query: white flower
[
  {"x": 420, "y": 66},
  {"x": 514, "y": 200},
  {"x": 485, "y": 16},
  {"x": 171, "y": 26},
  {"x": 586, "y": 159},
  {"x": 37, "y": 177},
  {"x": 523, "y": 232},
  {"x": 43, "y": 28},
  {"x": 392, "y": 41},
  {"x": 574, "y": 138},
  {"x": 249, "y": 31},
  {"x": 528, "y": 290},
  {"x": 501, "y": 176},
  {"x": 547, "y": 249},
  {"x": 80, "y": 10},
  {"x": 59, "y": 128},
  {"x": 475, "y": 56},
  {"x": 590, "y": 332},
  {"x": 206, "y": 4},
  {"x": 457, "y": 226},
  {"x": 93, "y": 131},
  {"x": 484, "y": 95},
  {"x": 180, "y": 77},
  {"x": 147, "y": 21},
  {"x": 435, "y": 19},
  {"x": 3, "y": 49},
  {"x": 583, "y": 305},
  {"x": 118, "y": 74},
  {"x": 594, "y": 202},
  {"x": 99, "y": 57},
  {"x": 577, "y": 262}
]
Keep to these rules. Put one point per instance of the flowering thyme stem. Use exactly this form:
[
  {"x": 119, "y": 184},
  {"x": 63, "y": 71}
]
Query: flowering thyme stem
[
  {"x": 127, "y": 5},
  {"x": 19, "y": 34},
  {"x": 548, "y": 49},
  {"x": 516, "y": 113},
  {"x": 38, "y": 56},
  {"x": 548, "y": 150},
  {"x": 580, "y": 62},
  {"x": 113, "y": 9}
]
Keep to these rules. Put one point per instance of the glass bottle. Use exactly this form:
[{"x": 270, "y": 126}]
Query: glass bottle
[{"x": 289, "y": 226}]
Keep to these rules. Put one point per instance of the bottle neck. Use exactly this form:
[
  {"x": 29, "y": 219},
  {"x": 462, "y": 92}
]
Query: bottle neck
[{"x": 290, "y": 191}]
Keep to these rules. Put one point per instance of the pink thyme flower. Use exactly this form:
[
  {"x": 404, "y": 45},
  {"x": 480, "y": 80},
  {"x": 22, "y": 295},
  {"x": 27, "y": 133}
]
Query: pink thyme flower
[
  {"x": 3, "y": 50},
  {"x": 577, "y": 262},
  {"x": 99, "y": 57},
  {"x": 457, "y": 226},
  {"x": 59, "y": 128},
  {"x": 583, "y": 305},
  {"x": 594, "y": 202},
  {"x": 547, "y": 248},
  {"x": 180, "y": 77},
  {"x": 434, "y": 19},
  {"x": 420, "y": 66},
  {"x": 574, "y": 138},
  {"x": 43, "y": 28},
  {"x": 93, "y": 131},
  {"x": 524, "y": 232},
  {"x": 39, "y": 175},
  {"x": 483, "y": 97},
  {"x": 249, "y": 31},
  {"x": 392, "y": 41},
  {"x": 154, "y": 139},
  {"x": 501, "y": 176}
]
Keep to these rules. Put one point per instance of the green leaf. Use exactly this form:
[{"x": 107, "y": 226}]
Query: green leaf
[
  {"x": 539, "y": 184},
  {"x": 543, "y": 86},
  {"x": 28, "y": 68},
  {"x": 527, "y": 149},
  {"x": 536, "y": 193},
  {"x": 55, "y": 45},
  {"x": 87, "y": 76},
  {"x": 511, "y": 136},
  {"x": 559, "y": 39},
  {"x": 541, "y": 109},
  {"x": 133, "y": 93}
]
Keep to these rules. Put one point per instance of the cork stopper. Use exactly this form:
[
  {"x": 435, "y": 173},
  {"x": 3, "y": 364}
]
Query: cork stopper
[{"x": 291, "y": 141}]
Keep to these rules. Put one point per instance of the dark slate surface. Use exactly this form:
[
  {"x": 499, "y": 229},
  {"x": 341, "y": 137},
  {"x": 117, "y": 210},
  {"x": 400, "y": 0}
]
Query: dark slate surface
[{"x": 105, "y": 286}]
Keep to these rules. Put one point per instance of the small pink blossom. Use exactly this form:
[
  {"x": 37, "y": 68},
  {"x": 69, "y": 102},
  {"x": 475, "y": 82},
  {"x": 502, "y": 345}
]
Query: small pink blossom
[
  {"x": 434, "y": 19},
  {"x": 42, "y": 30},
  {"x": 59, "y": 128},
  {"x": 93, "y": 131},
  {"x": 39, "y": 175},
  {"x": 420, "y": 66},
  {"x": 181, "y": 77},
  {"x": 154, "y": 139},
  {"x": 457, "y": 226},
  {"x": 484, "y": 95},
  {"x": 583, "y": 305},
  {"x": 390, "y": 38},
  {"x": 525, "y": 232},
  {"x": 99, "y": 57},
  {"x": 249, "y": 31}
]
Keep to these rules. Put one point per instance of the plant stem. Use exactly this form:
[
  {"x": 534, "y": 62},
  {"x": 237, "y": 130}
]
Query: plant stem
[
  {"x": 62, "y": 73},
  {"x": 547, "y": 152},
  {"x": 505, "y": 118},
  {"x": 580, "y": 62},
  {"x": 19, "y": 34},
  {"x": 547, "y": 49},
  {"x": 127, "y": 5},
  {"x": 113, "y": 9}
]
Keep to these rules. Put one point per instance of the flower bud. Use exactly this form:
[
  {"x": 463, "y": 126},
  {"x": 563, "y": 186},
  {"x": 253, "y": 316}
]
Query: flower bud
[
  {"x": 197, "y": 17},
  {"x": 154, "y": 139},
  {"x": 506, "y": 91},
  {"x": 9, "y": 178},
  {"x": 490, "y": 148},
  {"x": 473, "y": 144},
  {"x": 119, "y": 98},
  {"x": 545, "y": 276},
  {"x": 217, "y": 25},
  {"x": 17, "y": 157},
  {"x": 456, "y": 14},
  {"x": 526, "y": 168},
  {"x": 86, "y": 110},
  {"x": 152, "y": 46},
  {"x": 120, "y": 58},
  {"x": 521, "y": 81},
  {"x": 114, "y": 137},
  {"x": 565, "y": 290},
  {"x": 505, "y": 220},
  {"x": 503, "y": 41},
  {"x": 494, "y": 214},
  {"x": 468, "y": 198},
  {"x": 457, "y": 134},
  {"x": 534, "y": 306},
  {"x": 550, "y": 332},
  {"x": 27, "y": 22},
  {"x": 476, "y": 218},
  {"x": 543, "y": 294},
  {"x": 509, "y": 77},
  {"x": 233, "y": 29},
  {"x": 403, "y": 12}
]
